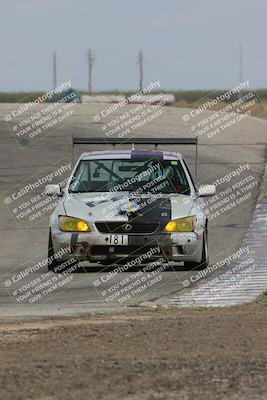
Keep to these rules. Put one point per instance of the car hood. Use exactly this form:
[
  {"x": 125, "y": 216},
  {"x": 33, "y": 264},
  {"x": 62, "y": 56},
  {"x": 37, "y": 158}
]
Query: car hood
[{"x": 119, "y": 207}]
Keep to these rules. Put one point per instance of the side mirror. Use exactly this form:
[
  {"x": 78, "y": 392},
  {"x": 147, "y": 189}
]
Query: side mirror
[
  {"x": 206, "y": 190},
  {"x": 51, "y": 190}
]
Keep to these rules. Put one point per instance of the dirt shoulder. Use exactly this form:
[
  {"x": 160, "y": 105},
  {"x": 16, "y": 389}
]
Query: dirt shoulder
[{"x": 165, "y": 354}]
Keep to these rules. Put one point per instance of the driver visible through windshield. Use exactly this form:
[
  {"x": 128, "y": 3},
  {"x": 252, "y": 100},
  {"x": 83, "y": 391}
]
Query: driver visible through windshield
[{"x": 129, "y": 175}]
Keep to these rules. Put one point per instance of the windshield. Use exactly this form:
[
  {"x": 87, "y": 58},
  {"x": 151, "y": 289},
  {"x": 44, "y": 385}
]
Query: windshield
[{"x": 140, "y": 176}]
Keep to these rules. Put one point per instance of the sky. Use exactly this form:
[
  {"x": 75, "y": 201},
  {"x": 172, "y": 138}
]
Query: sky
[{"x": 187, "y": 44}]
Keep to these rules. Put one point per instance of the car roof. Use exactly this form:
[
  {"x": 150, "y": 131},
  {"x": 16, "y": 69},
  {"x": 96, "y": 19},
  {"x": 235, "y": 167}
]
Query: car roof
[{"x": 130, "y": 154}]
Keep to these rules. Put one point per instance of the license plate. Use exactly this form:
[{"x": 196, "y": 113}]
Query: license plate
[{"x": 119, "y": 240}]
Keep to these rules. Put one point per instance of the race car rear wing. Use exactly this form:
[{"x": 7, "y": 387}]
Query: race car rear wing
[{"x": 153, "y": 141}]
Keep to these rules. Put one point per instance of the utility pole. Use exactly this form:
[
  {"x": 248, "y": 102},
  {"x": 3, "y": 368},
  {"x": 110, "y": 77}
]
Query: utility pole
[
  {"x": 240, "y": 67},
  {"x": 140, "y": 62},
  {"x": 90, "y": 70},
  {"x": 54, "y": 69},
  {"x": 241, "y": 62}
]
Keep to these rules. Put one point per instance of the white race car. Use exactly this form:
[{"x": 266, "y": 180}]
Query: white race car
[{"x": 118, "y": 205}]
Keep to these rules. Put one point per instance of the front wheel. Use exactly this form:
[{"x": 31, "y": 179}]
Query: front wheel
[
  {"x": 205, "y": 256},
  {"x": 52, "y": 263}
]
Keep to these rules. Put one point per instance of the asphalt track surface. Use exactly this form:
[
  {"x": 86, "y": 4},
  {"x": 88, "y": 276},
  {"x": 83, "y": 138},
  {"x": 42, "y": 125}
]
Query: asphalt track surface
[{"x": 240, "y": 143}]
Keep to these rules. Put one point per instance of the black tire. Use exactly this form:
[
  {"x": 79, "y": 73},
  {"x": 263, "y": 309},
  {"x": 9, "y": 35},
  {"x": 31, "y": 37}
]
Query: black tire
[
  {"x": 205, "y": 256},
  {"x": 52, "y": 264}
]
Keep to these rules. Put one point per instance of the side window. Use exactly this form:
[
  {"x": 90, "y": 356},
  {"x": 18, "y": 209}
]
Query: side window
[
  {"x": 180, "y": 174},
  {"x": 189, "y": 173},
  {"x": 80, "y": 176},
  {"x": 84, "y": 172}
]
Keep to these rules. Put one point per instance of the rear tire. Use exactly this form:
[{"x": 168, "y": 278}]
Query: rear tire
[{"x": 205, "y": 256}]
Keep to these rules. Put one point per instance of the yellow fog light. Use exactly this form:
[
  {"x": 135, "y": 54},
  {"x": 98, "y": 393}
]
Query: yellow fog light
[
  {"x": 181, "y": 225},
  {"x": 71, "y": 224}
]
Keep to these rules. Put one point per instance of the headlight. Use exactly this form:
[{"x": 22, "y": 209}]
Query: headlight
[
  {"x": 70, "y": 224},
  {"x": 187, "y": 224}
]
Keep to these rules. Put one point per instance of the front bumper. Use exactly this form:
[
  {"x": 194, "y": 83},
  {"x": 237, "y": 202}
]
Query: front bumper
[{"x": 93, "y": 246}]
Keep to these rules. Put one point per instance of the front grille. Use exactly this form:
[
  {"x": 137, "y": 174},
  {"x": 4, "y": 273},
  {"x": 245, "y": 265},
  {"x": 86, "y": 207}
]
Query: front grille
[{"x": 127, "y": 227}]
